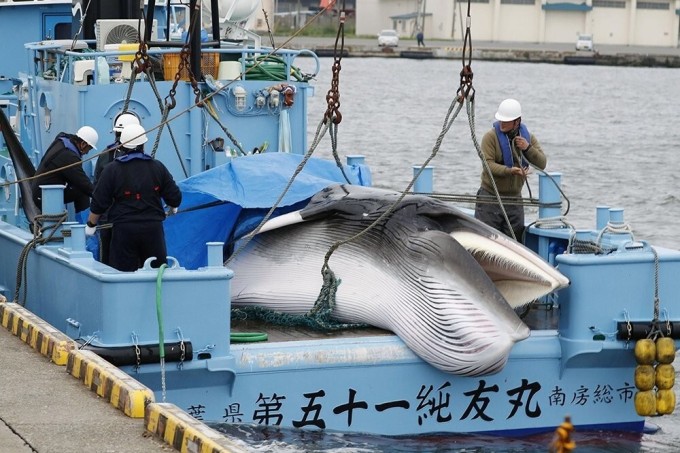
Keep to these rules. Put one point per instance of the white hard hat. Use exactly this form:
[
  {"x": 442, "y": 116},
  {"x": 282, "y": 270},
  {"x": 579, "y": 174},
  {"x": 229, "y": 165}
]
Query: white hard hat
[
  {"x": 509, "y": 110},
  {"x": 132, "y": 136},
  {"x": 123, "y": 120},
  {"x": 89, "y": 136}
]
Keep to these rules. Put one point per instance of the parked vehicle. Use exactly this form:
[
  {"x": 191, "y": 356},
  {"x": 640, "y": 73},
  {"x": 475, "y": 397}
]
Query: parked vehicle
[
  {"x": 388, "y": 38},
  {"x": 584, "y": 42}
]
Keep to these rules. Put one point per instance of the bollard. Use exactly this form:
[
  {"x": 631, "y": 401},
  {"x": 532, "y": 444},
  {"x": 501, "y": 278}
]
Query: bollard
[
  {"x": 424, "y": 182},
  {"x": 215, "y": 254},
  {"x": 601, "y": 217},
  {"x": 355, "y": 159},
  {"x": 616, "y": 216},
  {"x": 67, "y": 227},
  {"x": 78, "y": 238},
  {"x": 548, "y": 193},
  {"x": 52, "y": 202}
]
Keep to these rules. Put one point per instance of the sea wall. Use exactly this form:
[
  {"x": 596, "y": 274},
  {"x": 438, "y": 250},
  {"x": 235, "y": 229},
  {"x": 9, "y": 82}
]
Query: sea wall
[{"x": 634, "y": 57}]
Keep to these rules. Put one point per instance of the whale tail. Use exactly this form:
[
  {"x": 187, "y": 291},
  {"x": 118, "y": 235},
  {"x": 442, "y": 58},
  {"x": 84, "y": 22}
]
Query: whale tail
[{"x": 22, "y": 166}]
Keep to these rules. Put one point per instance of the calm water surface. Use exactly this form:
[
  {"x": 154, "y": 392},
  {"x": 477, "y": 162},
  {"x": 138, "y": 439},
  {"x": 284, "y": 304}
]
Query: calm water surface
[{"x": 612, "y": 132}]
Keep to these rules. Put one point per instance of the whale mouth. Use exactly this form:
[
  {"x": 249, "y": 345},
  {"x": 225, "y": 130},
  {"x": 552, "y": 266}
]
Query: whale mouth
[{"x": 520, "y": 275}]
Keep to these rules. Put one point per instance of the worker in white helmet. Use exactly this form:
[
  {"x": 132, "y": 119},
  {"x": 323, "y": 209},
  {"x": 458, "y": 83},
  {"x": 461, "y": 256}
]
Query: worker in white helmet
[
  {"x": 62, "y": 165},
  {"x": 107, "y": 156},
  {"x": 132, "y": 190},
  {"x": 119, "y": 122},
  {"x": 508, "y": 149}
]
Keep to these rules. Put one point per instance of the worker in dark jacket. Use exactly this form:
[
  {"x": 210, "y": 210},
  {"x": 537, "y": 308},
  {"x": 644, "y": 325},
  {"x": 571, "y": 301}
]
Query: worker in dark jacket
[
  {"x": 133, "y": 188},
  {"x": 62, "y": 165},
  {"x": 106, "y": 157}
]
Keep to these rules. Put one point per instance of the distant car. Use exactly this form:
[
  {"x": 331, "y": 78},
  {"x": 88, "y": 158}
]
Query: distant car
[
  {"x": 388, "y": 38},
  {"x": 584, "y": 42}
]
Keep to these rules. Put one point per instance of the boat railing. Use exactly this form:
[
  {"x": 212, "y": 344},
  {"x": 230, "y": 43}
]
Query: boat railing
[{"x": 53, "y": 60}]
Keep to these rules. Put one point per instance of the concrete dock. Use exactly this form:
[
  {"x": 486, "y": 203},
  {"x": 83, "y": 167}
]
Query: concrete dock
[
  {"x": 557, "y": 53},
  {"x": 44, "y": 409},
  {"x": 57, "y": 398}
]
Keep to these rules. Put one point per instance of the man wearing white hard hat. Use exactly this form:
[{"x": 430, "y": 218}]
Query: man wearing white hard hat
[
  {"x": 62, "y": 164},
  {"x": 132, "y": 190},
  {"x": 111, "y": 152},
  {"x": 508, "y": 149},
  {"x": 119, "y": 122}
]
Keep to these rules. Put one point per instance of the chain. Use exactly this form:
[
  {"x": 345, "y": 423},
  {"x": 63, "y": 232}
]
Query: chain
[
  {"x": 163, "y": 385},
  {"x": 669, "y": 329},
  {"x": 182, "y": 349},
  {"x": 629, "y": 328},
  {"x": 466, "y": 91},
  {"x": 142, "y": 61},
  {"x": 138, "y": 353},
  {"x": 333, "y": 96}
]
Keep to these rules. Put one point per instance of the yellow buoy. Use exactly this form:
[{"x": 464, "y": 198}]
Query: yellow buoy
[
  {"x": 562, "y": 442},
  {"x": 644, "y": 377},
  {"x": 645, "y": 403},
  {"x": 665, "y": 376},
  {"x": 665, "y": 401},
  {"x": 645, "y": 351},
  {"x": 665, "y": 350}
]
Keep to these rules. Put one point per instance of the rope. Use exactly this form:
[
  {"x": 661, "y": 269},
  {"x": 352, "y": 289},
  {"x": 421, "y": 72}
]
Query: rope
[
  {"x": 335, "y": 117},
  {"x": 154, "y": 87},
  {"x": 327, "y": 294},
  {"x": 38, "y": 239},
  {"x": 615, "y": 228},
  {"x": 655, "y": 330}
]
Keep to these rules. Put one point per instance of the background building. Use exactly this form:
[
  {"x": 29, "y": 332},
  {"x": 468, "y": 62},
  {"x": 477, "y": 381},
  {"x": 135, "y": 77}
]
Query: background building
[{"x": 622, "y": 22}]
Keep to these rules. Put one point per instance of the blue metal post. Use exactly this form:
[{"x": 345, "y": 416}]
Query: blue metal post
[
  {"x": 52, "y": 201},
  {"x": 355, "y": 159},
  {"x": 424, "y": 183},
  {"x": 601, "y": 217},
  {"x": 616, "y": 216},
  {"x": 548, "y": 193},
  {"x": 215, "y": 254},
  {"x": 78, "y": 238},
  {"x": 68, "y": 226}
]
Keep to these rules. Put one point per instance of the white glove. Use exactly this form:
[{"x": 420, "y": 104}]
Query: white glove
[
  {"x": 90, "y": 230},
  {"x": 172, "y": 211}
]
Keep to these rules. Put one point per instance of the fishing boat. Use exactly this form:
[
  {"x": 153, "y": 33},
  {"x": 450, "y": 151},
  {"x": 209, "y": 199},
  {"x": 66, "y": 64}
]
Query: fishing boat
[{"x": 296, "y": 294}]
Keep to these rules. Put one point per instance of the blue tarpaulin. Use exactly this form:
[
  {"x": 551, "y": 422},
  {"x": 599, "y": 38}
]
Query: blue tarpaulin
[{"x": 228, "y": 201}]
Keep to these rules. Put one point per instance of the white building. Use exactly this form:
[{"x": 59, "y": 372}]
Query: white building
[{"x": 622, "y": 22}]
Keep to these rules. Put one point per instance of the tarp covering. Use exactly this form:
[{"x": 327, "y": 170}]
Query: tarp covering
[{"x": 224, "y": 203}]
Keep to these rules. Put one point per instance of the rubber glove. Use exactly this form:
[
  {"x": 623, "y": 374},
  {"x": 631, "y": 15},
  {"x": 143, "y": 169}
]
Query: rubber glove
[{"x": 90, "y": 230}]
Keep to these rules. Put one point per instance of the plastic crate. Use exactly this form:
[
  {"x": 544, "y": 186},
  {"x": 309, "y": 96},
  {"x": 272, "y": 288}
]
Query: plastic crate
[{"x": 210, "y": 64}]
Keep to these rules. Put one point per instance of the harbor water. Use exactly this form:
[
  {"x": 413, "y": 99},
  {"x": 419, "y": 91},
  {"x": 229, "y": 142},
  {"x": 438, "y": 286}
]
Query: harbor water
[{"x": 610, "y": 131}]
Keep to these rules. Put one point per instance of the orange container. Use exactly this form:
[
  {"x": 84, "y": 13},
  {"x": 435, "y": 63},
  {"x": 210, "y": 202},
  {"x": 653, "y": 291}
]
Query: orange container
[{"x": 210, "y": 64}]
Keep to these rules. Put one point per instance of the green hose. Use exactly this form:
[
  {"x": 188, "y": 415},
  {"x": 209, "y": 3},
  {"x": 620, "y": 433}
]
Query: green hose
[
  {"x": 159, "y": 310},
  {"x": 269, "y": 67},
  {"x": 248, "y": 337}
]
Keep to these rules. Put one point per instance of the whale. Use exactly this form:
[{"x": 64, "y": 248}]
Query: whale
[
  {"x": 22, "y": 166},
  {"x": 445, "y": 283}
]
